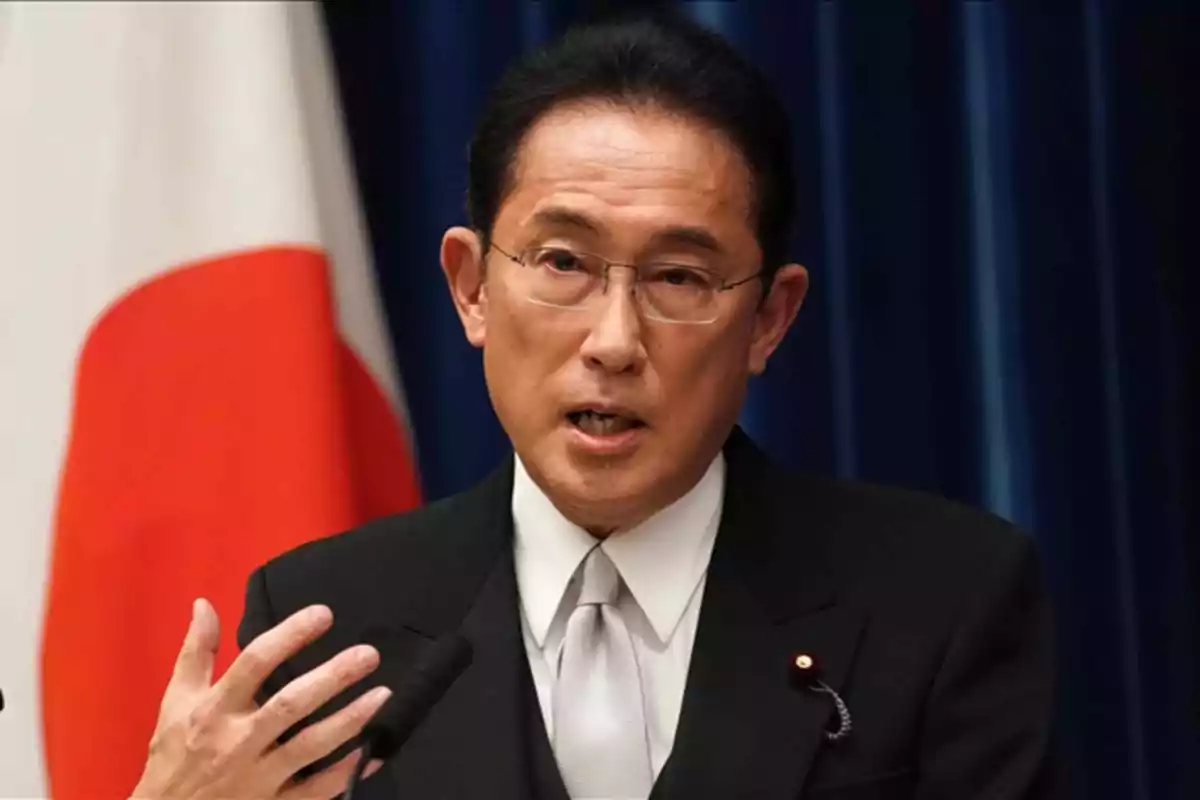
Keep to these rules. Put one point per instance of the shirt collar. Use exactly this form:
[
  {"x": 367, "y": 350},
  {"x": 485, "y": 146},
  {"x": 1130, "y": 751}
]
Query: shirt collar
[{"x": 661, "y": 560}]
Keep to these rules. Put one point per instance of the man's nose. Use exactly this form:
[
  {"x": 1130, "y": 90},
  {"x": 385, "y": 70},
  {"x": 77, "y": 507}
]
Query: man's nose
[{"x": 614, "y": 342}]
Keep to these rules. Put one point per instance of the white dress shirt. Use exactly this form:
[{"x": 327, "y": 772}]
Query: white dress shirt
[{"x": 663, "y": 562}]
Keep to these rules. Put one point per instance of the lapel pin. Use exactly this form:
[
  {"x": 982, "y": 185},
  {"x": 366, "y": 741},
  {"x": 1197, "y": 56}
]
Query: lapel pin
[{"x": 806, "y": 674}]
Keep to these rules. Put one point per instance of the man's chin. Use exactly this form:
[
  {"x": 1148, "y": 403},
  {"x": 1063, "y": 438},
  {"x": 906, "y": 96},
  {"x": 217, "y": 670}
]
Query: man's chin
[{"x": 600, "y": 493}]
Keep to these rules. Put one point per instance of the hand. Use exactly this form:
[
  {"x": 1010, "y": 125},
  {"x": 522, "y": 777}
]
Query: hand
[{"x": 213, "y": 741}]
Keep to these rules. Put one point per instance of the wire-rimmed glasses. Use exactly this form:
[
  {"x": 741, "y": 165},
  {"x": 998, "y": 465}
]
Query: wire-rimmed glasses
[{"x": 560, "y": 277}]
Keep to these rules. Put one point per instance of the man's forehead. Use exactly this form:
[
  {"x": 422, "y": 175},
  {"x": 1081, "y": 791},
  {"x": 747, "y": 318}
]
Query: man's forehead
[
  {"x": 554, "y": 216},
  {"x": 587, "y": 167},
  {"x": 663, "y": 150}
]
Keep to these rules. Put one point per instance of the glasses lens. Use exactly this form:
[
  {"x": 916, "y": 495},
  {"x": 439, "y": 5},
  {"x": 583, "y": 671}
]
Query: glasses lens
[
  {"x": 560, "y": 277},
  {"x": 679, "y": 294},
  {"x": 563, "y": 278}
]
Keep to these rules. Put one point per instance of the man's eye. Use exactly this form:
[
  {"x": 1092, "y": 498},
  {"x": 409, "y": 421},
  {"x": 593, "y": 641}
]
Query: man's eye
[
  {"x": 680, "y": 276},
  {"x": 559, "y": 260}
]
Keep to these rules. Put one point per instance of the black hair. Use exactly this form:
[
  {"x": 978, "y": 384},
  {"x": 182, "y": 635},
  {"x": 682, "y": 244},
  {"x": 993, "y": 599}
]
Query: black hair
[{"x": 659, "y": 59}]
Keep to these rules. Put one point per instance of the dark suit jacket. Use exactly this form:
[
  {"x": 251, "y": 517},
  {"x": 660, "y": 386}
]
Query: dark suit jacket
[{"x": 929, "y": 618}]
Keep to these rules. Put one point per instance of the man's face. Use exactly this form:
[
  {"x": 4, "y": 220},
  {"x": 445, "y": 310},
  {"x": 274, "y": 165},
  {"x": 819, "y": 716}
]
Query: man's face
[{"x": 614, "y": 413}]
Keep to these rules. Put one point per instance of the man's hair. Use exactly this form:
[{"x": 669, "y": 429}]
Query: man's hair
[{"x": 659, "y": 60}]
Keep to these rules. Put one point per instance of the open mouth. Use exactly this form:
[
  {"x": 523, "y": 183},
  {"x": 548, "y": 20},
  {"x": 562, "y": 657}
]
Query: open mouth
[{"x": 599, "y": 423}]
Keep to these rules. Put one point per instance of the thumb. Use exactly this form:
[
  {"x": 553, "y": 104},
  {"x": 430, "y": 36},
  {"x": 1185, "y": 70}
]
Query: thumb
[{"x": 194, "y": 666}]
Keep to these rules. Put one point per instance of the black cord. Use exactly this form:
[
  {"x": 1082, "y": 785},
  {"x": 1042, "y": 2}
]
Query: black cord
[{"x": 356, "y": 777}]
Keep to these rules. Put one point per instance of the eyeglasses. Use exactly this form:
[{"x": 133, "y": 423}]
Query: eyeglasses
[{"x": 559, "y": 277}]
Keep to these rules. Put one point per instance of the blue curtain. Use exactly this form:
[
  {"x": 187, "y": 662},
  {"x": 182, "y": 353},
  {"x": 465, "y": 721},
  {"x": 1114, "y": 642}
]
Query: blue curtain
[{"x": 992, "y": 214}]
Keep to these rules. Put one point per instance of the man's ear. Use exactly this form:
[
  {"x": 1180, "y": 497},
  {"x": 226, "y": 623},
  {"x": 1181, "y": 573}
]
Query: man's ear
[
  {"x": 462, "y": 263},
  {"x": 776, "y": 312}
]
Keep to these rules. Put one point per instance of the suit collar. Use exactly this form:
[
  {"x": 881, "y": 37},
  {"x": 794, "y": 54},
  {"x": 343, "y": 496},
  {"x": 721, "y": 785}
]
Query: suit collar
[
  {"x": 476, "y": 741},
  {"x": 770, "y": 594},
  {"x": 466, "y": 535},
  {"x": 768, "y": 536},
  {"x": 767, "y": 530}
]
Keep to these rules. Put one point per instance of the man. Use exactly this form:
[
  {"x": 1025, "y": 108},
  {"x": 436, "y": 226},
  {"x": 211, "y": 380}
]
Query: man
[{"x": 654, "y": 609}]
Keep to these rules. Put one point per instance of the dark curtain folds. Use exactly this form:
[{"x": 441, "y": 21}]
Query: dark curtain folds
[{"x": 1001, "y": 311}]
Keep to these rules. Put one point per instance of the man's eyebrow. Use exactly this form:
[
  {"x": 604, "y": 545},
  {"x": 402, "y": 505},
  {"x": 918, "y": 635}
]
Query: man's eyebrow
[
  {"x": 687, "y": 235},
  {"x": 561, "y": 217},
  {"x": 690, "y": 236}
]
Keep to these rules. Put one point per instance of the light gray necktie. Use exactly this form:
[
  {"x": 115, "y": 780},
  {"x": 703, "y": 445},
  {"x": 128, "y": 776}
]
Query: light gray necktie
[{"x": 600, "y": 737}]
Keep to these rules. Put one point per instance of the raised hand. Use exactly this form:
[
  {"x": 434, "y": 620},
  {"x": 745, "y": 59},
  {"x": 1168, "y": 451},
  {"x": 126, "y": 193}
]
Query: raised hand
[{"x": 214, "y": 741}]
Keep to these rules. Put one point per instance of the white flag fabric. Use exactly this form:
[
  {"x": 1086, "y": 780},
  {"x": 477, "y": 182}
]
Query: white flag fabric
[{"x": 194, "y": 368}]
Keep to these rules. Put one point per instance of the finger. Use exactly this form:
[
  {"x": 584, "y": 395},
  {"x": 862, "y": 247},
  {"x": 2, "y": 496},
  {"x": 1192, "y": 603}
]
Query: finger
[
  {"x": 322, "y": 738},
  {"x": 312, "y": 690},
  {"x": 331, "y": 781},
  {"x": 262, "y": 656},
  {"x": 194, "y": 665}
]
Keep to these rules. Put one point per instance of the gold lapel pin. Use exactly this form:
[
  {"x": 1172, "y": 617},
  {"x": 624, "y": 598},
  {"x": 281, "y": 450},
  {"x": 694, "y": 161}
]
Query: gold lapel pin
[{"x": 806, "y": 674}]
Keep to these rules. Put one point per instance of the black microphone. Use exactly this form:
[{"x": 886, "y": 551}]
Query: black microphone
[
  {"x": 413, "y": 695},
  {"x": 421, "y": 686}
]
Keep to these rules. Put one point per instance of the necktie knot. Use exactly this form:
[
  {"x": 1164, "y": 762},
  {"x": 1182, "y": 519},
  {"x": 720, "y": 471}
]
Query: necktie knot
[{"x": 599, "y": 582}]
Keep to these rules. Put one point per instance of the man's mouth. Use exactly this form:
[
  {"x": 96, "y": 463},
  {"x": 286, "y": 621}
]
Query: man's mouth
[{"x": 599, "y": 423}]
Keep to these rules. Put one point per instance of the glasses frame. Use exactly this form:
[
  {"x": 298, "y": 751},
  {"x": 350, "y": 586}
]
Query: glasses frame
[{"x": 724, "y": 284}]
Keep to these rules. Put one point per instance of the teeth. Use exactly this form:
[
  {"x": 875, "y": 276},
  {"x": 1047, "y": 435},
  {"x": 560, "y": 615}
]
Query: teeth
[{"x": 602, "y": 424}]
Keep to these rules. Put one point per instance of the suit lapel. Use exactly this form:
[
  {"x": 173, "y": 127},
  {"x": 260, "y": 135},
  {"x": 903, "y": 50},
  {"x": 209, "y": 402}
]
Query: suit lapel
[
  {"x": 475, "y": 742},
  {"x": 744, "y": 729}
]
